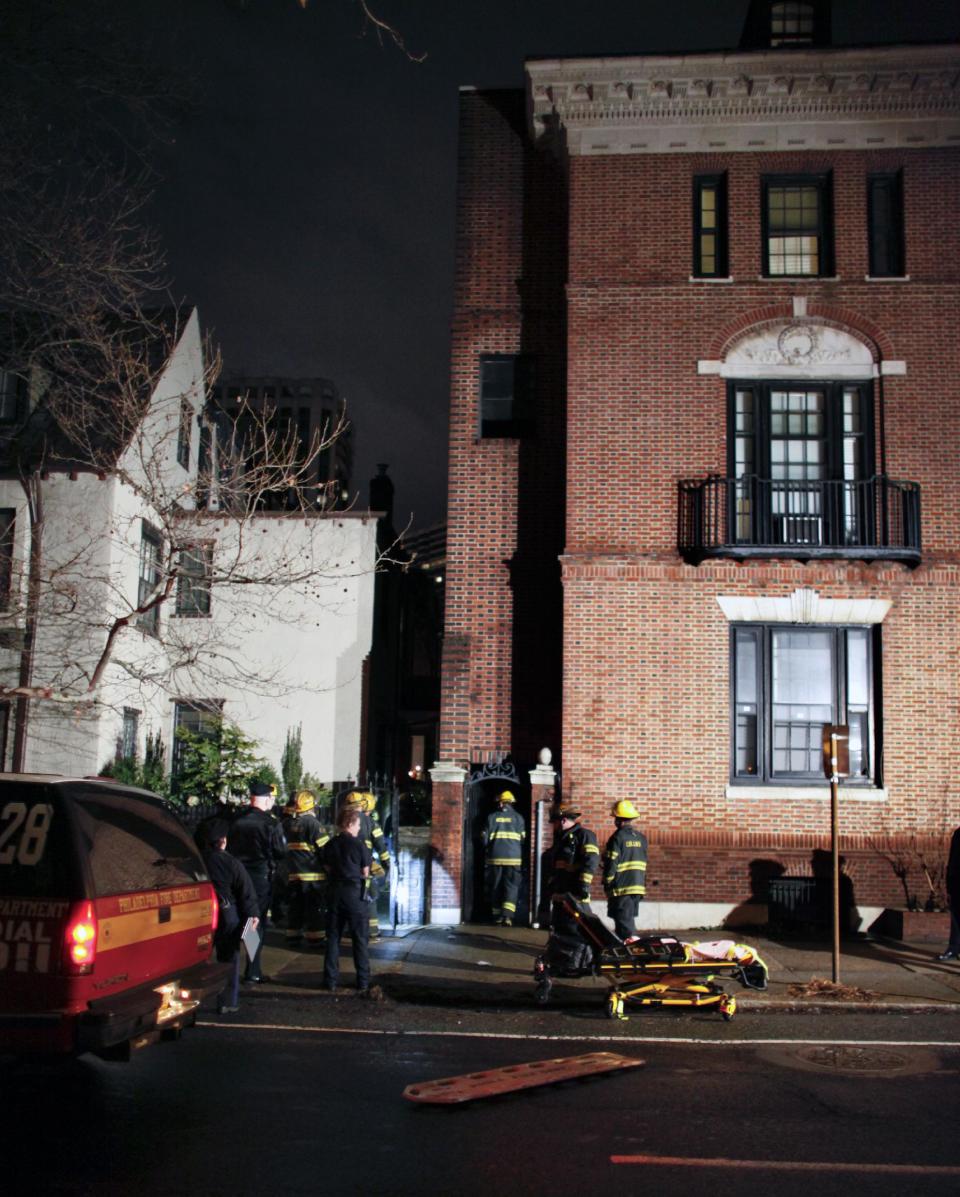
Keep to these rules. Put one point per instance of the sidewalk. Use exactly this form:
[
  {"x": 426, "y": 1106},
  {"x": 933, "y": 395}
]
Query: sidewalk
[{"x": 492, "y": 966}]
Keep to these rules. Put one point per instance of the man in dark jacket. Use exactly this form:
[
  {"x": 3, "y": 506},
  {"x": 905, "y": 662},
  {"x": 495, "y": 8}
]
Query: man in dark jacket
[
  {"x": 503, "y": 839},
  {"x": 348, "y": 861},
  {"x": 575, "y": 859},
  {"x": 953, "y": 893},
  {"x": 237, "y": 900},
  {"x": 256, "y": 840},
  {"x": 625, "y": 869}
]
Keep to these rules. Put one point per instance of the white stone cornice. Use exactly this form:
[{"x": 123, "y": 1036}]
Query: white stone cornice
[
  {"x": 804, "y": 606},
  {"x": 905, "y": 96},
  {"x": 448, "y": 771}
]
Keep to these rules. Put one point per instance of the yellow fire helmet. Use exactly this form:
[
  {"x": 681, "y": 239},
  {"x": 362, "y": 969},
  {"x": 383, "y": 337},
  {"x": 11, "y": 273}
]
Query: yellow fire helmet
[
  {"x": 369, "y": 802},
  {"x": 356, "y": 800},
  {"x": 505, "y": 796},
  {"x": 304, "y": 801},
  {"x": 624, "y": 809}
]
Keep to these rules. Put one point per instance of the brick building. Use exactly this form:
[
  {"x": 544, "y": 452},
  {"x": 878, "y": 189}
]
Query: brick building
[{"x": 704, "y": 461}]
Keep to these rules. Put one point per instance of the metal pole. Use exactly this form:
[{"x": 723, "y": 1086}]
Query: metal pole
[
  {"x": 835, "y": 853},
  {"x": 537, "y": 857}
]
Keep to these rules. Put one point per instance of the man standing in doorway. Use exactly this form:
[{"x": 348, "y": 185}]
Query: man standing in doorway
[
  {"x": 503, "y": 839},
  {"x": 625, "y": 869}
]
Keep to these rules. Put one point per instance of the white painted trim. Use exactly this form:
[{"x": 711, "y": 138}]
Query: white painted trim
[
  {"x": 804, "y": 606},
  {"x": 447, "y": 771},
  {"x": 695, "y": 278},
  {"x": 678, "y": 917},
  {"x": 886, "y": 278},
  {"x": 817, "y": 793},
  {"x": 445, "y": 916}
]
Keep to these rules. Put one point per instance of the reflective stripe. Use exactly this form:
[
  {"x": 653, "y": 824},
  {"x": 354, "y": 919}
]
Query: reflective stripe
[
  {"x": 506, "y": 835},
  {"x": 306, "y": 877},
  {"x": 592, "y": 848},
  {"x": 636, "y": 866},
  {"x": 504, "y": 862},
  {"x": 299, "y": 847}
]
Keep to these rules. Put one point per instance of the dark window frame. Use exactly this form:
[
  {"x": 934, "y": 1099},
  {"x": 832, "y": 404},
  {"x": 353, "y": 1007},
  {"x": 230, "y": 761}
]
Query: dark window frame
[
  {"x": 886, "y": 242},
  {"x": 151, "y": 553},
  {"x": 12, "y": 391},
  {"x": 823, "y": 183},
  {"x": 701, "y": 185},
  {"x": 765, "y": 772},
  {"x": 207, "y": 711},
  {"x": 129, "y": 739},
  {"x": 195, "y": 585},
  {"x": 8, "y": 525},
  {"x": 185, "y": 433},
  {"x": 507, "y": 415}
]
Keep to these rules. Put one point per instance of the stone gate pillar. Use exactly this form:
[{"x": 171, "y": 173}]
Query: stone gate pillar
[
  {"x": 543, "y": 781},
  {"x": 446, "y": 842}
]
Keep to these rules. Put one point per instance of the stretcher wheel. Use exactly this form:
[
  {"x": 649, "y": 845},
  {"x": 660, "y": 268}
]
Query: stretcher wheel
[
  {"x": 728, "y": 1007},
  {"x": 614, "y": 1005}
]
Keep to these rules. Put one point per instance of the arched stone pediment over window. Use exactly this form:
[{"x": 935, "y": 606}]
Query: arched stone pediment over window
[{"x": 799, "y": 348}]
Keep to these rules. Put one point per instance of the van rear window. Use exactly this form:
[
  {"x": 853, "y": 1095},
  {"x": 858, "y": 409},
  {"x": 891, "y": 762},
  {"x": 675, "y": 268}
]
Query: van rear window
[
  {"x": 35, "y": 856},
  {"x": 132, "y": 844}
]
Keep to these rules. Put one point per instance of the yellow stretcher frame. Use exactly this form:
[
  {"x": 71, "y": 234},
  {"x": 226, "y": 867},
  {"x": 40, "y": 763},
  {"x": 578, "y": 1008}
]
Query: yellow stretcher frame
[{"x": 647, "y": 982}]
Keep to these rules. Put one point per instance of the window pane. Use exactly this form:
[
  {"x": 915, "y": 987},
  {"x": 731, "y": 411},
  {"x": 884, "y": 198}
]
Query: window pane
[
  {"x": 803, "y": 670},
  {"x": 746, "y": 666},
  {"x": 858, "y": 668}
]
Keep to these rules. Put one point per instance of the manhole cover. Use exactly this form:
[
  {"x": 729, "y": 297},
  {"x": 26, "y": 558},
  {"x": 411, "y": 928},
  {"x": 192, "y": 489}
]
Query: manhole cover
[{"x": 851, "y": 1060}]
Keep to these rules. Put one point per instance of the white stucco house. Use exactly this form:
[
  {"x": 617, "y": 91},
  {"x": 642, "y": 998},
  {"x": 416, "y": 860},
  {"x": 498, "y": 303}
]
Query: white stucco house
[{"x": 152, "y": 609}]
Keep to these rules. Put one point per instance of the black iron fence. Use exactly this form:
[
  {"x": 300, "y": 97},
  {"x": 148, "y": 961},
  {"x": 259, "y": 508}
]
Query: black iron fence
[{"x": 877, "y": 517}]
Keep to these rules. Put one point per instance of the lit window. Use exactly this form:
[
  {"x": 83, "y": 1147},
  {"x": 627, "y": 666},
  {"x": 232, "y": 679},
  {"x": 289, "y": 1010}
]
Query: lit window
[
  {"x": 791, "y": 23},
  {"x": 796, "y": 226},
  {"x": 787, "y": 683},
  {"x": 710, "y": 226}
]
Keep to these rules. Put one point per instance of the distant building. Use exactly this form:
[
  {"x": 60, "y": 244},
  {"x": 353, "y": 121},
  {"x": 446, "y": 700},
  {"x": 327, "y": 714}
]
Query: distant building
[
  {"x": 704, "y": 451},
  {"x": 310, "y": 408},
  {"x": 403, "y": 673}
]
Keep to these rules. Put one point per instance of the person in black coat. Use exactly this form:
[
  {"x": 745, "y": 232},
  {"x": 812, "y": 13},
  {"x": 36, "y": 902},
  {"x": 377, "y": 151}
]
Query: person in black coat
[
  {"x": 256, "y": 839},
  {"x": 953, "y": 893},
  {"x": 237, "y": 900},
  {"x": 348, "y": 861}
]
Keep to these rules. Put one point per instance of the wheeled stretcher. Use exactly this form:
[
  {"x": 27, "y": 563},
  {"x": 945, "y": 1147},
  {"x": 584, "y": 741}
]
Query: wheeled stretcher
[{"x": 649, "y": 971}]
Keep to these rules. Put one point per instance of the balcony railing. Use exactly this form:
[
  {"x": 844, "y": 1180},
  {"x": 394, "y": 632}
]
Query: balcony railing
[{"x": 877, "y": 519}]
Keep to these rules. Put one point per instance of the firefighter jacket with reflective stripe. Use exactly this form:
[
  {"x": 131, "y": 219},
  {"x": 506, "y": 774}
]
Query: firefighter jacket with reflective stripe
[
  {"x": 305, "y": 841},
  {"x": 377, "y": 841},
  {"x": 576, "y": 858},
  {"x": 503, "y": 836},
  {"x": 625, "y": 863}
]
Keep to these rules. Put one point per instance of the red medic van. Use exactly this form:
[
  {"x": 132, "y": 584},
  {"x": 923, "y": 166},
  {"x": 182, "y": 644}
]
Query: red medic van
[{"x": 106, "y": 918}]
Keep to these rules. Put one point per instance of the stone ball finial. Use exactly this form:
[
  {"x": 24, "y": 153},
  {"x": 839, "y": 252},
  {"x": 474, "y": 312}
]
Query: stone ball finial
[{"x": 545, "y": 756}]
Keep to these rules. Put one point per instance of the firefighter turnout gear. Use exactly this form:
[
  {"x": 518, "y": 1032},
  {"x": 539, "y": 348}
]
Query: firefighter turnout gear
[
  {"x": 625, "y": 873},
  {"x": 576, "y": 858},
  {"x": 306, "y": 876},
  {"x": 503, "y": 837}
]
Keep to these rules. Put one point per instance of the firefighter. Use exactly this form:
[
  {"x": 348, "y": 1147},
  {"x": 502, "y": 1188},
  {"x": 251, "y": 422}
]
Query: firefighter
[
  {"x": 503, "y": 839},
  {"x": 575, "y": 857},
  {"x": 372, "y": 835},
  {"x": 306, "y": 876},
  {"x": 625, "y": 869}
]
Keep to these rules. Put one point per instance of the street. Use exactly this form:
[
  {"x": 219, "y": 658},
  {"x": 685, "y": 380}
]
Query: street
[{"x": 302, "y": 1093}]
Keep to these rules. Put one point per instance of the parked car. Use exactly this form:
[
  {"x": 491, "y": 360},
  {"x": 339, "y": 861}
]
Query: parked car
[{"x": 107, "y": 918}]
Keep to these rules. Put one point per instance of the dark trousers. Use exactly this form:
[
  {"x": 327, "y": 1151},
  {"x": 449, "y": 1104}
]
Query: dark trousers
[
  {"x": 306, "y": 910},
  {"x": 623, "y": 911},
  {"x": 260, "y": 876},
  {"x": 503, "y": 886},
  {"x": 954, "y": 945},
  {"x": 228, "y": 949},
  {"x": 348, "y": 911}
]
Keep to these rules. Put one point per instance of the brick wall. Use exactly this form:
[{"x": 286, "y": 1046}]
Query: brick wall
[{"x": 623, "y": 416}]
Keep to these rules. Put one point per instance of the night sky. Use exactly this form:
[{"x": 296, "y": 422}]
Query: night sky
[{"x": 307, "y": 202}]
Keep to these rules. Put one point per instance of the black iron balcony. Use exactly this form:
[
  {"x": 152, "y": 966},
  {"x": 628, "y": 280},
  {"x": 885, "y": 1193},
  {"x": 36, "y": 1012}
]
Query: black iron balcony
[{"x": 874, "y": 519}]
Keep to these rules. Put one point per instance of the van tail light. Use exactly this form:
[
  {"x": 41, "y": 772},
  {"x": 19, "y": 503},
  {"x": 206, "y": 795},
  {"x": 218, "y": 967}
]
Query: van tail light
[
  {"x": 80, "y": 940},
  {"x": 215, "y": 912}
]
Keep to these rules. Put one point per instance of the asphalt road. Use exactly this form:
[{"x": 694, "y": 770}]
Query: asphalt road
[{"x": 304, "y": 1094}]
